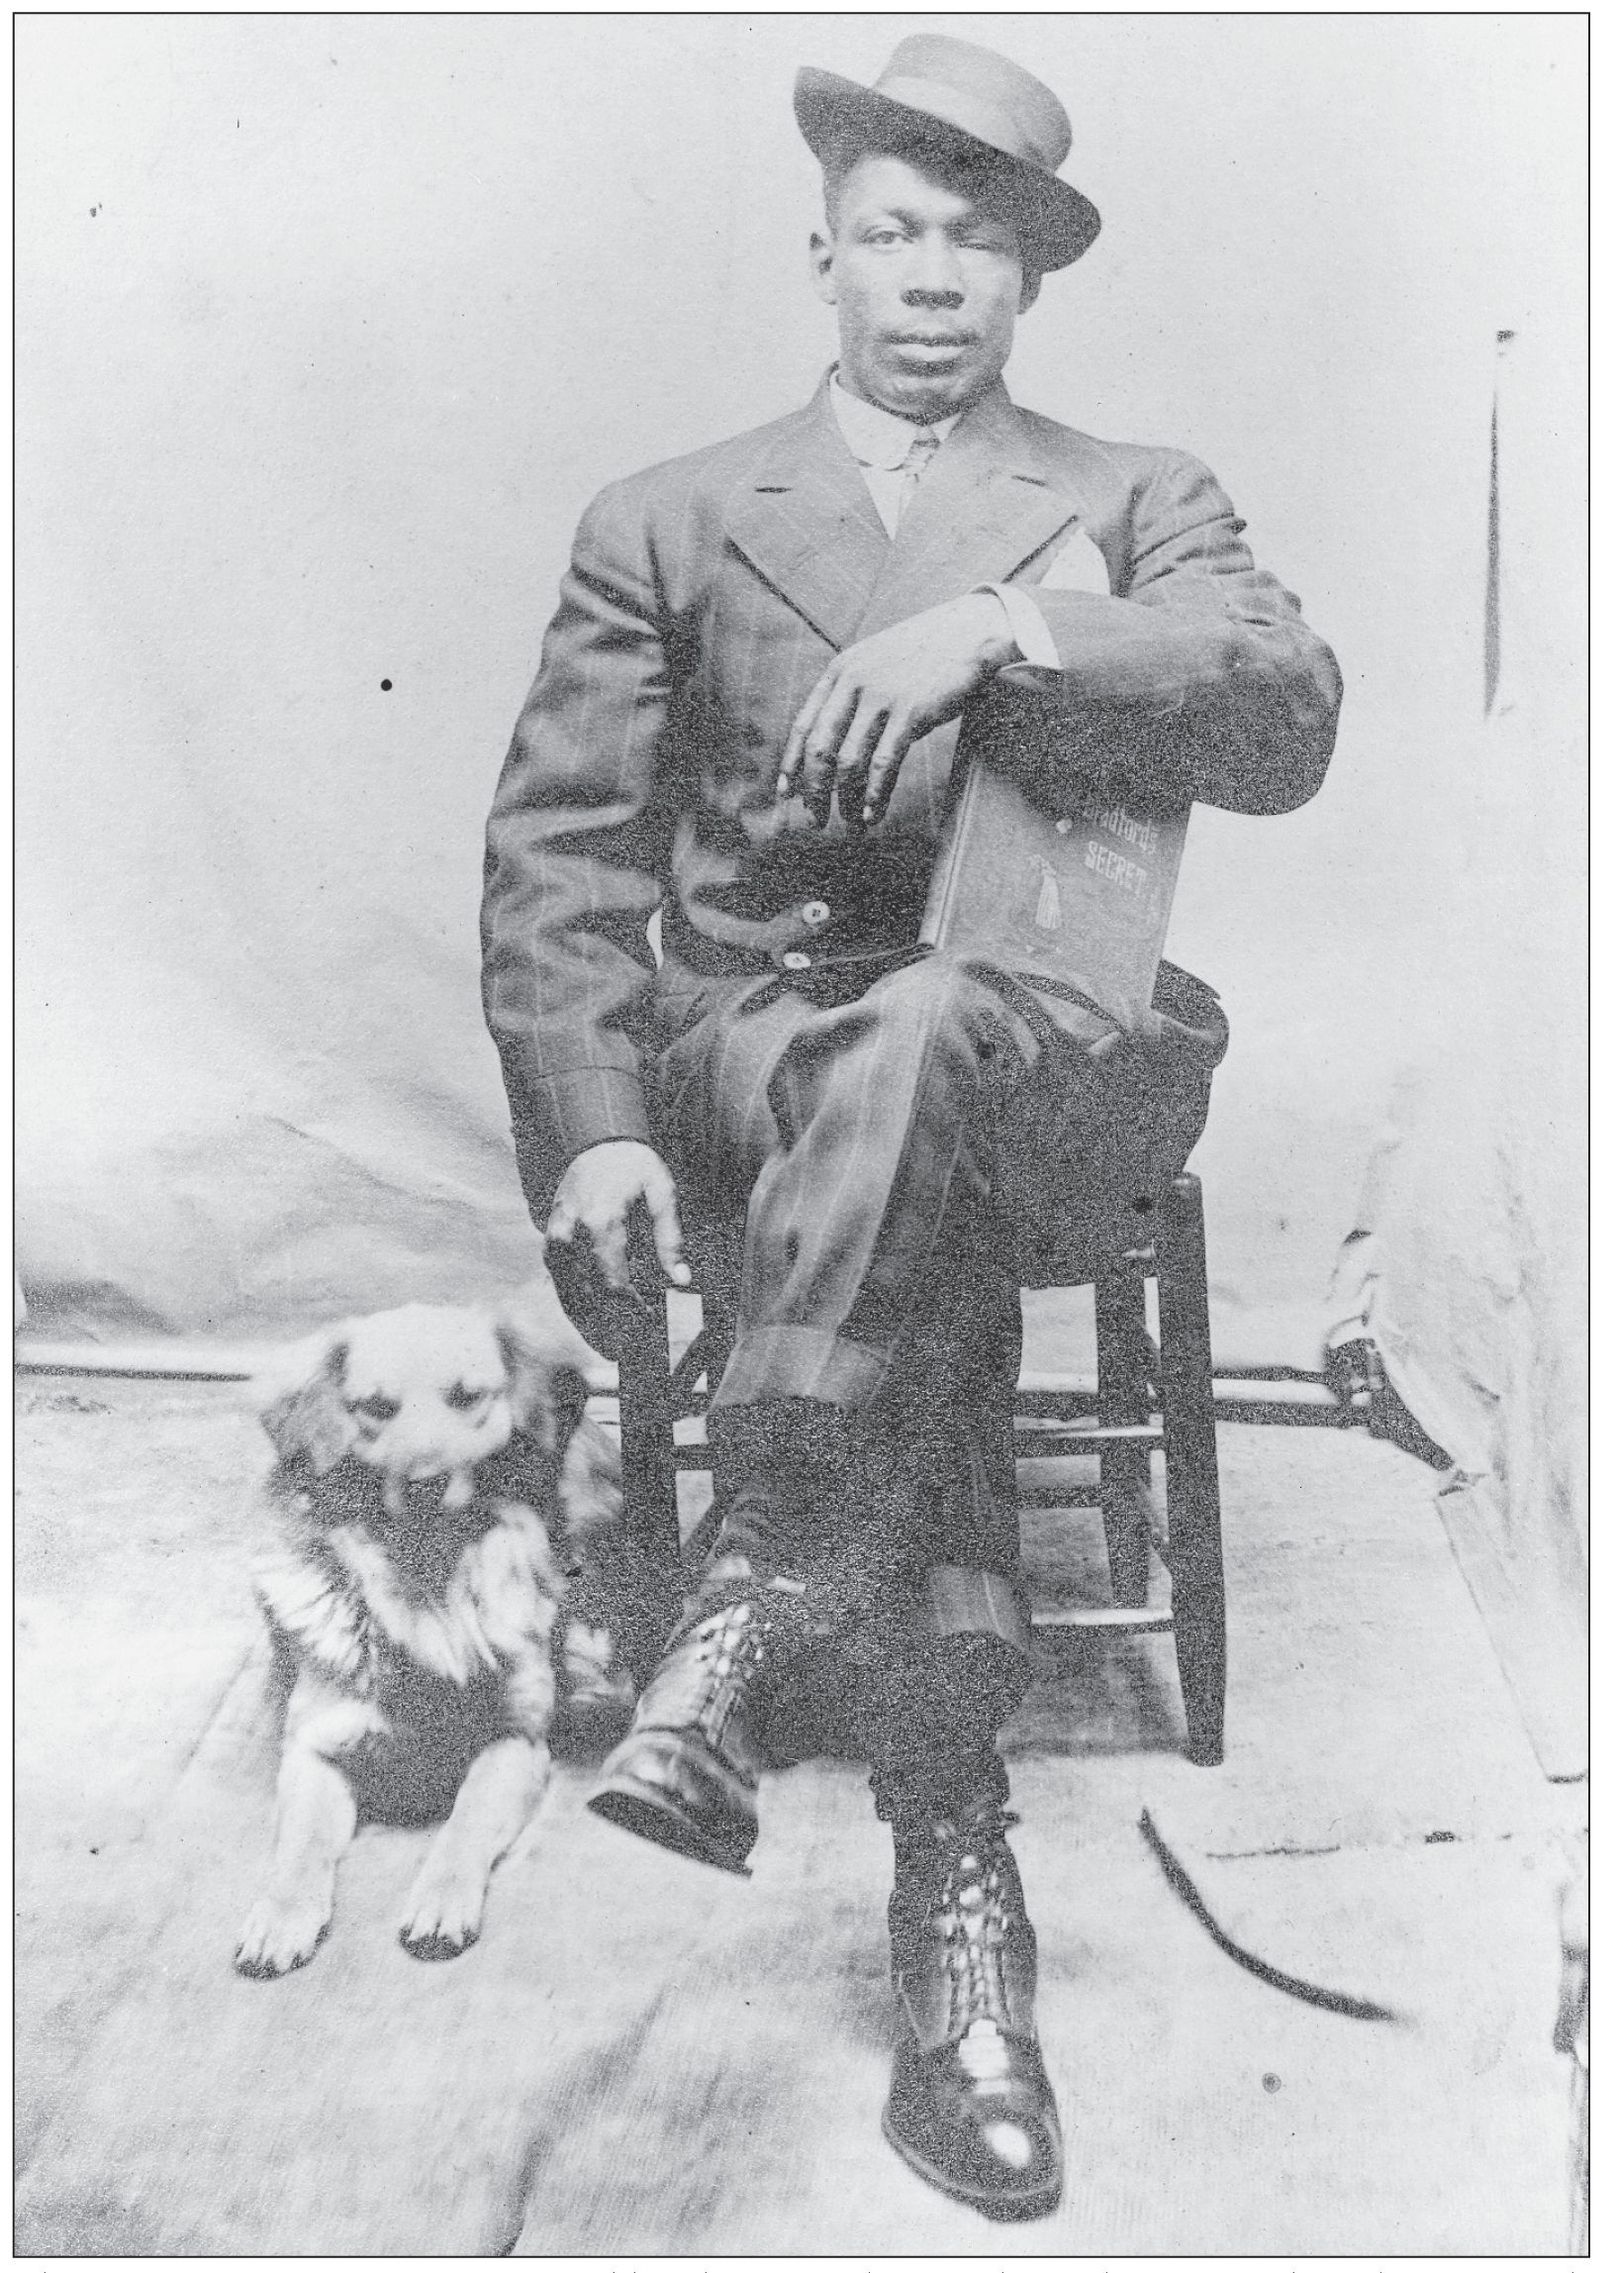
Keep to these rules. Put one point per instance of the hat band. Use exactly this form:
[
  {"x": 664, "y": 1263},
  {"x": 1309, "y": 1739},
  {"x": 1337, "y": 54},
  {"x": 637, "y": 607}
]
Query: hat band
[{"x": 957, "y": 106}]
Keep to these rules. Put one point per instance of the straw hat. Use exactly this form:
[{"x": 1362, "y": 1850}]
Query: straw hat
[{"x": 964, "y": 102}]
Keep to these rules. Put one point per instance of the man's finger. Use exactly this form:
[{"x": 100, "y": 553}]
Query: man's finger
[
  {"x": 862, "y": 737},
  {"x": 890, "y": 753},
  {"x": 665, "y": 1230},
  {"x": 610, "y": 1241},
  {"x": 820, "y": 745},
  {"x": 791, "y": 762},
  {"x": 824, "y": 741}
]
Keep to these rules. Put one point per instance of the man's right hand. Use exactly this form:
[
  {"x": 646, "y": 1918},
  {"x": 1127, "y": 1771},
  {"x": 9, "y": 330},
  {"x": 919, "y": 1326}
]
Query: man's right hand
[{"x": 594, "y": 1208}]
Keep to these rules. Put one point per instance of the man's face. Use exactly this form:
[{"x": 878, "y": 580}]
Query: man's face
[{"x": 927, "y": 282}]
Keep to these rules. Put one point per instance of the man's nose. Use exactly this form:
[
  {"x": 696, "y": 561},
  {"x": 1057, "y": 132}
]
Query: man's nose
[{"x": 934, "y": 279}]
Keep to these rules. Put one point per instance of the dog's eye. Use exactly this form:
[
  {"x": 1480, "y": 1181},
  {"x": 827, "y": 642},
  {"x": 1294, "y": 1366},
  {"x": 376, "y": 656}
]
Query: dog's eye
[
  {"x": 462, "y": 1399},
  {"x": 377, "y": 1408}
]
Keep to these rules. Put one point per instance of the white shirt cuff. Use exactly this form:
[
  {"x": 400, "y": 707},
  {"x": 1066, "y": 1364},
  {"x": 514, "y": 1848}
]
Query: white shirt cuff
[{"x": 1027, "y": 627}]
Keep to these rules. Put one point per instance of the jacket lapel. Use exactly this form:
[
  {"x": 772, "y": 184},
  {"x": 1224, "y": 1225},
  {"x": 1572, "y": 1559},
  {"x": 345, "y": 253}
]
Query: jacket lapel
[
  {"x": 985, "y": 508},
  {"x": 809, "y": 527}
]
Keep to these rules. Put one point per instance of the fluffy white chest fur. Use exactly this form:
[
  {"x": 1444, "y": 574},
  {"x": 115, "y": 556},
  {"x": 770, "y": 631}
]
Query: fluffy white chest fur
[{"x": 345, "y": 1601}]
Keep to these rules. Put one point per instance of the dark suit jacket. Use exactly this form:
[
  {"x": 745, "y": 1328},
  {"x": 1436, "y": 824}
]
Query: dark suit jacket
[{"x": 704, "y": 599}]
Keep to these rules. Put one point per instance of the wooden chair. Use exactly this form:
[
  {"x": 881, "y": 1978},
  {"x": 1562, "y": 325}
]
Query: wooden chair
[{"x": 1147, "y": 1401}]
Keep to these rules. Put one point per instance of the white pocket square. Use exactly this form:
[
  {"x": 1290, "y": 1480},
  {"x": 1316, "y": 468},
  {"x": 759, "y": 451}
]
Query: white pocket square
[{"x": 1079, "y": 566}]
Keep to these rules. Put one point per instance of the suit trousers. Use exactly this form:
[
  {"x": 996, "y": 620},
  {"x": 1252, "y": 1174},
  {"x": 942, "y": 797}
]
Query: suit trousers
[{"x": 870, "y": 1168}]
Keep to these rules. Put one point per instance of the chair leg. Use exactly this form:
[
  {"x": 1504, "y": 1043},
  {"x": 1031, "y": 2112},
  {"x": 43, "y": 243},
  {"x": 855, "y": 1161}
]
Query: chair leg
[
  {"x": 719, "y": 1320},
  {"x": 1119, "y": 1319},
  {"x": 1194, "y": 1524},
  {"x": 718, "y": 1328},
  {"x": 645, "y": 1409}
]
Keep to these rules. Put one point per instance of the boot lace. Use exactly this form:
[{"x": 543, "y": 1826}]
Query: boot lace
[
  {"x": 731, "y": 1650},
  {"x": 971, "y": 1917}
]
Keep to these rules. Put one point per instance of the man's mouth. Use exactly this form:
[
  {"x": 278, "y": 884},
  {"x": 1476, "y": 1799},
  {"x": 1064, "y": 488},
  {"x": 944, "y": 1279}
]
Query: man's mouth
[{"x": 933, "y": 339}]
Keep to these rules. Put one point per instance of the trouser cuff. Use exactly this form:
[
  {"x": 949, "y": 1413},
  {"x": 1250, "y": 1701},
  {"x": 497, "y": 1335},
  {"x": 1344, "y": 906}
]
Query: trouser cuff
[
  {"x": 957, "y": 1601},
  {"x": 770, "y": 1364},
  {"x": 922, "y": 1787}
]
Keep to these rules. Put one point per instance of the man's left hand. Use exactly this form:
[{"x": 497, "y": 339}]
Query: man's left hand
[{"x": 881, "y": 695}]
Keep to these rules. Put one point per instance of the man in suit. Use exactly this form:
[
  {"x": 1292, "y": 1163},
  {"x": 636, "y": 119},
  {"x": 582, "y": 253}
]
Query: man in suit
[{"x": 745, "y": 718}]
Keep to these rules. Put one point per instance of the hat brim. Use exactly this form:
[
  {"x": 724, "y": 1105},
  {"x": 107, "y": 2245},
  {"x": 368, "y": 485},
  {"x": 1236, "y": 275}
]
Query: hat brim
[{"x": 834, "y": 112}]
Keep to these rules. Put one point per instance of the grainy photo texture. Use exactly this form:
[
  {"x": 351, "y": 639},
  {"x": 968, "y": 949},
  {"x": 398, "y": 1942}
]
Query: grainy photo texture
[{"x": 802, "y": 1458}]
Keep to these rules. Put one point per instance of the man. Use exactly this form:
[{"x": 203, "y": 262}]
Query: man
[{"x": 745, "y": 717}]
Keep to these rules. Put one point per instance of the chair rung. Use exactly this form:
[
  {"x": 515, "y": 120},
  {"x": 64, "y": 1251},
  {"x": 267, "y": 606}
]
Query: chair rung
[
  {"x": 697, "y": 1456},
  {"x": 1054, "y": 1404},
  {"x": 1103, "y": 1619},
  {"x": 1085, "y": 1441},
  {"x": 1065, "y": 1444}
]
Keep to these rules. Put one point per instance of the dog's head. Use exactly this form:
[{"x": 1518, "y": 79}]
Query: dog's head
[{"x": 425, "y": 1396}]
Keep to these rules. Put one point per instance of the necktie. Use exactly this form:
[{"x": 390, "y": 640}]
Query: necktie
[{"x": 920, "y": 454}]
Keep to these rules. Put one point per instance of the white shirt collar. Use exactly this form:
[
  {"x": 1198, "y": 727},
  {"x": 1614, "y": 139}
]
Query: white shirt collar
[{"x": 879, "y": 437}]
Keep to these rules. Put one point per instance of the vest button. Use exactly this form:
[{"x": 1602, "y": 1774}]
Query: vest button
[
  {"x": 815, "y": 912},
  {"x": 795, "y": 961}
]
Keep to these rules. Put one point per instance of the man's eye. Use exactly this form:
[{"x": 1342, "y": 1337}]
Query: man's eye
[
  {"x": 377, "y": 1408},
  {"x": 462, "y": 1399}
]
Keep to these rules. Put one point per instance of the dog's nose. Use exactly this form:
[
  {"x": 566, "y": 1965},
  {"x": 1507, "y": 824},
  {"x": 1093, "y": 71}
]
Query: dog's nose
[{"x": 406, "y": 1463}]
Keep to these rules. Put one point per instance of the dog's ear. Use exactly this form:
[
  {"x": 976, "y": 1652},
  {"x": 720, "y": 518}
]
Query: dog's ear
[
  {"x": 589, "y": 1488},
  {"x": 547, "y": 1393},
  {"x": 300, "y": 1402},
  {"x": 569, "y": 1394}
]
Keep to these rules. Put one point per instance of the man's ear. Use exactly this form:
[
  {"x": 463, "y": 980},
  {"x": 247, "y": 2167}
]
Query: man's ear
[
  {"x": 821, "y": 255},
  {"x": 1032, "y": 283},
  {"x": 300, "y": 1402}
]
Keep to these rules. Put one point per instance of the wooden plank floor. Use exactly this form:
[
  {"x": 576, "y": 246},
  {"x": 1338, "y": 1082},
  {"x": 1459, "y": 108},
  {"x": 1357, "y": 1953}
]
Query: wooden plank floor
[{"x": 645, "y": 2057}]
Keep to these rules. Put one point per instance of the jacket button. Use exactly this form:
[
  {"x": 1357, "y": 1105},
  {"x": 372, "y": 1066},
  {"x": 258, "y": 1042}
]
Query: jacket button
[
  {"x": 794, "y": 961},
  {"x": 815, "y": 912}
]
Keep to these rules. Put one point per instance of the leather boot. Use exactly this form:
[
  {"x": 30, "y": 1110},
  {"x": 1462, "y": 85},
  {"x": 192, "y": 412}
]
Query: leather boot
[
  {"x": 970, "y": 2107},
  {"x": 686, "y": 1774}
]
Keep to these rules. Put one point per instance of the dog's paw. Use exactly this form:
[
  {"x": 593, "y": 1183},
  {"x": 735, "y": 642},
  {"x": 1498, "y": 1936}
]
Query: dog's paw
[
  {"x": 595, "y": 1681},
  {"x": 279, "y": 1936},
  {"x": 442, "y": 1917}
]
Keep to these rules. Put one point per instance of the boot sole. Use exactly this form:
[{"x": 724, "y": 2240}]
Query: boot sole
[
  {"x": 995, "y": 2202},
  {"x": 652, "y": 1815}
]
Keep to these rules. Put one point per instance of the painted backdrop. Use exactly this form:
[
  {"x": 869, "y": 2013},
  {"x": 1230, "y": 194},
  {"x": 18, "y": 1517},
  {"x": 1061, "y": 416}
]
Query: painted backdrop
[{"x": 329, "y": 327}]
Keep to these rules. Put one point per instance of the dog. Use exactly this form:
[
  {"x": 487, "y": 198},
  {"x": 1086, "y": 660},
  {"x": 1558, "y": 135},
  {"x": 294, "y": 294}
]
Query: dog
[{"x": 447, "y": 1550}]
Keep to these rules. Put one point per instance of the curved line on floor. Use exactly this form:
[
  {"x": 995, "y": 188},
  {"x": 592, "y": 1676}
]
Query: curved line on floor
[{"x": 1310, "y": 1993}]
